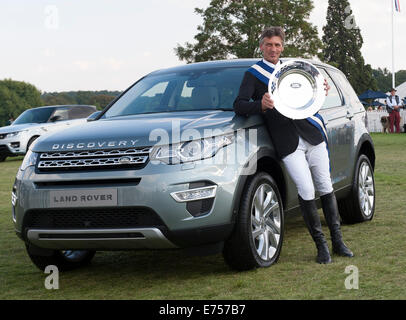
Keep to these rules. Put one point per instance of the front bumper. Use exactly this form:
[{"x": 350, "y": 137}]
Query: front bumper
[
  {"x": 137, "y": 238},
  {"x": 150, "y": 188},
  {"x": 14, "y": 145}
]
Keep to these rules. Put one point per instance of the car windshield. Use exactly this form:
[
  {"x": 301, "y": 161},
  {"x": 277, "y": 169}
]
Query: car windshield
[
  {"x": 40, "y": 115},
  {"x": 204, "y": 89}
]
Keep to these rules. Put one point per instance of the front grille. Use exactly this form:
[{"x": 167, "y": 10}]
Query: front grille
[
  {"x": 135, "y": 158},
  {"x": 92, "y": 218}
]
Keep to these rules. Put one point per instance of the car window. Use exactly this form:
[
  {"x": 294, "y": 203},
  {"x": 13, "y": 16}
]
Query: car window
[
  {"x": 345, "y": 85},
  {"x": 40, "y": 115},
  {"x": 151, "y": 99},
  {"x": 80, "y": 112},
  {"x": 333, "y": 98},
  {"x": 197, "y": 89},
  {"x": 60, "y": 114}
]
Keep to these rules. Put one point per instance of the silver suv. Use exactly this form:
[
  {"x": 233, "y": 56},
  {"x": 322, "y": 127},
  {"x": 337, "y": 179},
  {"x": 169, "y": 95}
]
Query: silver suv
[
  {"x": 32, "y": 123},
  {"x": 170, "y": 165}
]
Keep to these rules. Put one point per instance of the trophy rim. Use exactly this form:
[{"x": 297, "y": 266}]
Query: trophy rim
[{"x": 307, "y": 71}]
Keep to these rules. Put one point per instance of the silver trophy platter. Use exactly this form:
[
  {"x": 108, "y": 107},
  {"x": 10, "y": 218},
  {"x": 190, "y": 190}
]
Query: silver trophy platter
[{"x": 297, "y": 89}]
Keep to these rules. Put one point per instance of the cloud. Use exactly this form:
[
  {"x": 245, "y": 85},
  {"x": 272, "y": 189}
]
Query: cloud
[
  {"x": 49, "y": 53},
  {"x": 111, "y": 63},
  {"x": 82, "y": 64}
]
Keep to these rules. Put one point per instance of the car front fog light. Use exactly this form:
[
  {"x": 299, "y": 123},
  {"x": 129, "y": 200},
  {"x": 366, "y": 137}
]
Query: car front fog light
[{"x": 195, "y": 194}]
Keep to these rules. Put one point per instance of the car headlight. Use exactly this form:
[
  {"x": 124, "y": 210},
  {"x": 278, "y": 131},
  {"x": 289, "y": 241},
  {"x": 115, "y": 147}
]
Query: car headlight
[
  {"x": 13, "y": 134},
  {"x": 29, "y": 160},
  {"x": 191, "y": 150}
]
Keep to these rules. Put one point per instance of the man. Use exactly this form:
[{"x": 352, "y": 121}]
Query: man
[
  {"x": 300, "y": 146},
  {"x": 393, "y": 105}
]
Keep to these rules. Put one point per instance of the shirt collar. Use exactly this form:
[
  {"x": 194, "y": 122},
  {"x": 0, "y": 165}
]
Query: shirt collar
[{"x": 273, "y": 66}]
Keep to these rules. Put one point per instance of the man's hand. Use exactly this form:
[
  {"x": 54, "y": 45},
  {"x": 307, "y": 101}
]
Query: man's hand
[
  {"x": 267, "y": 102},
  {"x": 326, "y": 86}
]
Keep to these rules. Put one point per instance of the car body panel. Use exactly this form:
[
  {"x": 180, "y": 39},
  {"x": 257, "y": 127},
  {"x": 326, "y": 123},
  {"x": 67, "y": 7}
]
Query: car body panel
[{"x": 17, "y": 145}]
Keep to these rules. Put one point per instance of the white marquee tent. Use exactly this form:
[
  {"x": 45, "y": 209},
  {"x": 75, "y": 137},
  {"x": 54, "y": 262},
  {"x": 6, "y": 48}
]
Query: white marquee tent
[{"x": 401, "y": 90}]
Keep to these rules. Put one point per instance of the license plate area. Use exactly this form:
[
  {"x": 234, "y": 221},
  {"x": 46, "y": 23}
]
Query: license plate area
[{"x": 102, "y": 197}]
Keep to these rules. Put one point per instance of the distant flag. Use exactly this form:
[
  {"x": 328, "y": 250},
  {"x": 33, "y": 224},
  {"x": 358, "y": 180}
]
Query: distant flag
[{"x": 397, "y": 5}]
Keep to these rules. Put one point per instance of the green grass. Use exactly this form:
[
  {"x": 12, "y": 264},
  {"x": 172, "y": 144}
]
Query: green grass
[{"x": 379, "y": 248}]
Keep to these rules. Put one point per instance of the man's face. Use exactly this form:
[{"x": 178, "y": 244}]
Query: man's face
[
  {"x": 272, "y": 48},
  {"x": 393, "y": 92}
]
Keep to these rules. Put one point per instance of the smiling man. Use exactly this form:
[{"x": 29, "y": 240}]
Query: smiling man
[{"x": 298, "y": 143}]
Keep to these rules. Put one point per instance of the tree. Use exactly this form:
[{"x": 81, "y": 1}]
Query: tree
[
  {"x": 384, "y": 78},
  {"x": 101, "y": 100},
  {"x": 16, "y": 97},
  {"x": 55, "y": 98},
  {"x": 231, "y": 29},
  {"x": 98, "y": 98},
  {"x": 342, "y": 46}
]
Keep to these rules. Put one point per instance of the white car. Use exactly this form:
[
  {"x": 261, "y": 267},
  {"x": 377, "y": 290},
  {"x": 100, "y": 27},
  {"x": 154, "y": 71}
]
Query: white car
[{"x": 16, "y": 138}]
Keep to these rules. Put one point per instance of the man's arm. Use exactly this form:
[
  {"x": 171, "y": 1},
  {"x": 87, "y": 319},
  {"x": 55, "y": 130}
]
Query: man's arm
[{"x": 242, "y": 104}]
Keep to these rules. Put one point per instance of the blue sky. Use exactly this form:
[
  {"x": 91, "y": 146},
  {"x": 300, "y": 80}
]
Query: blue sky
[{"x": 61, "y": 45}]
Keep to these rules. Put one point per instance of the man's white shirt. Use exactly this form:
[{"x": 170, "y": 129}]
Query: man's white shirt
[
  {"x": 273, "y": 66},
  {"x": 393, "y": 103}
]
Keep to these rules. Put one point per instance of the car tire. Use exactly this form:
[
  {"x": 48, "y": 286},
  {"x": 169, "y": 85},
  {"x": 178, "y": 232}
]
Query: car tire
[
  {"x": 257, "y": 237},
  {"x": 65, "y": 260},
  {"x": 359, "y": 206},
  {"x": 2, "y": 157}
]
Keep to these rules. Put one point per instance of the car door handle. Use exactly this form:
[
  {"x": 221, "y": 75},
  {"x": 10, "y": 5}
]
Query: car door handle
[{"x": 350, "y": 115}]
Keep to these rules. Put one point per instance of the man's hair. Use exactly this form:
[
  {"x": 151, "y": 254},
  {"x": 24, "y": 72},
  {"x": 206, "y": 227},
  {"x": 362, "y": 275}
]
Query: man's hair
[{"x": 272, "y": 32}]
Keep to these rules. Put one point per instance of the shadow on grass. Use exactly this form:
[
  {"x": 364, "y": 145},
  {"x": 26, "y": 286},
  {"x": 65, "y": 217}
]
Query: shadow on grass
[
  {"x": 175, "y": 264},
  {"x": 150, "y": 268}
]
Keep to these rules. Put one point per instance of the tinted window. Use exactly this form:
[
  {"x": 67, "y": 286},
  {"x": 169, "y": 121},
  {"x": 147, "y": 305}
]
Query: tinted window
[
  {"x": 80, "y": 112},
  {"x": 350, "y": 93},
  {"x": 333, "y": 98},
  {"x": 40, "y": 115},
  {"x": 205, "y": 89},
  {"x": 60, "y": 114}
]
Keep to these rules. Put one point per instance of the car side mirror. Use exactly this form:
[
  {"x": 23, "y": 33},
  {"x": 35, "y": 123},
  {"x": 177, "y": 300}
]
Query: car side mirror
[
  {"x": 55, "y": 118},
  {"x": 93, "y": 116}
]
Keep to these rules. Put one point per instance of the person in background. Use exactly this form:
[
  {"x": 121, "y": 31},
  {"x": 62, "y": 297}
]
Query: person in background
[{"x": 393, "y": 105}]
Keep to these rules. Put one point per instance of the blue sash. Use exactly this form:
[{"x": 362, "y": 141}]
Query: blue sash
[{"x": 263, "y": 73}]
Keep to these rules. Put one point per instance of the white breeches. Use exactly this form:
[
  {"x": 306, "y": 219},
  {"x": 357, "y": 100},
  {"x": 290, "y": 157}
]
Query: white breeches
[{"x": 309, "y": 168}]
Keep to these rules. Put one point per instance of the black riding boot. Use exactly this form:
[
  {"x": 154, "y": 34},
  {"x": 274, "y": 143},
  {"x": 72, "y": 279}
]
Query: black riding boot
[
  {"x": 312, "y": 220},
  {"x": 330, "y": 210}
]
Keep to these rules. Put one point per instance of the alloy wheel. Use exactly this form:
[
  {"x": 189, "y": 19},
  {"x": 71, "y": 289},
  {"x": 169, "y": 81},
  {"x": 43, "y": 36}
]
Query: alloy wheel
[
  {"x": 366, "y": 189},
  {"x": 265, "y": 222}
]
